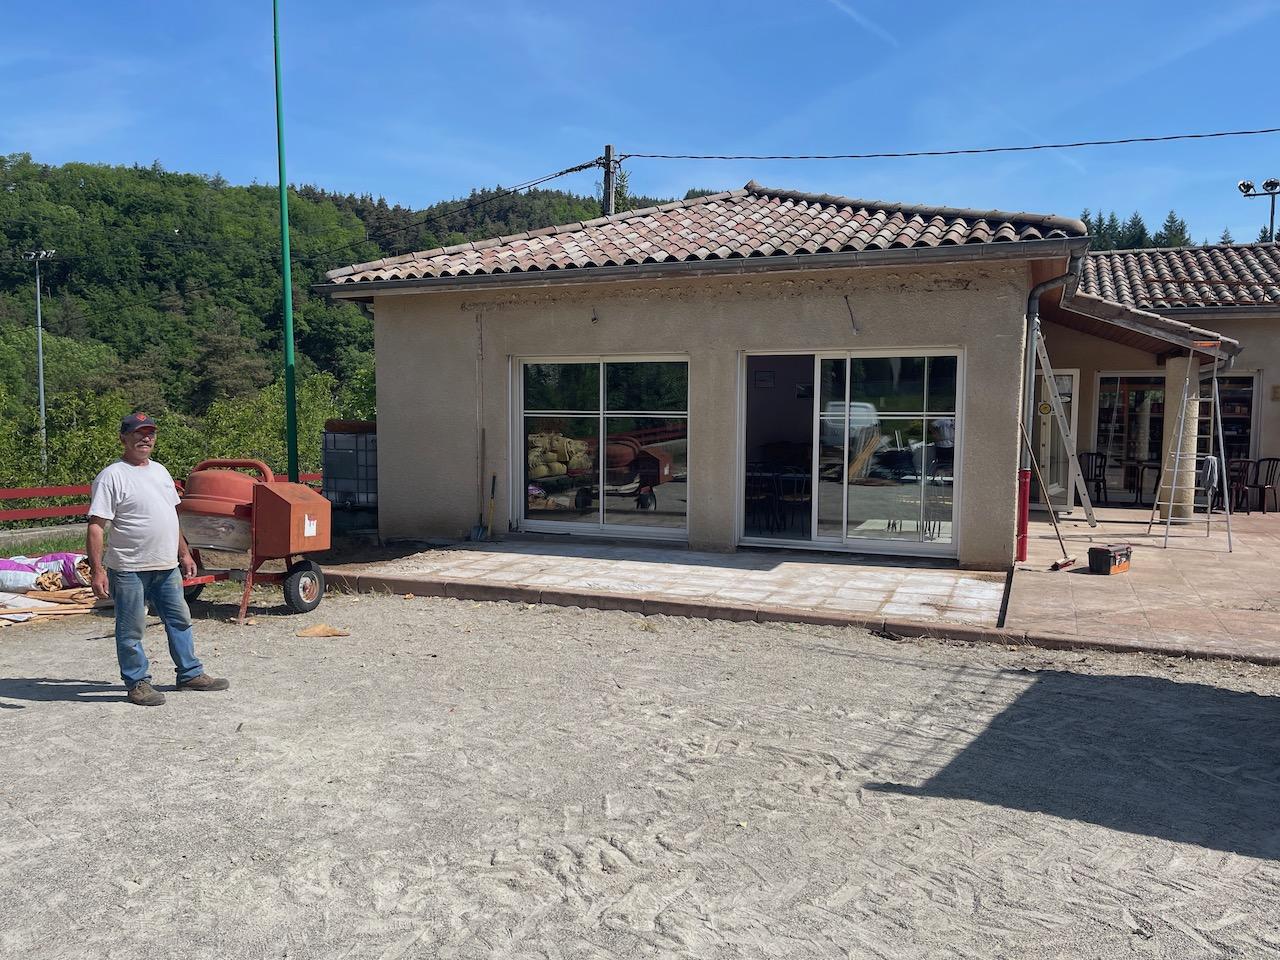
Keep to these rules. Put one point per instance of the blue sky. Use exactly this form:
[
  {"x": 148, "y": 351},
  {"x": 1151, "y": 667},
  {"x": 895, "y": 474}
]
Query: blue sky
[{"x": 420, "y": 101}]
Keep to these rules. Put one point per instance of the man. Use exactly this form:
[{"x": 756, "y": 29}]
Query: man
[{"x": 145, "y": 562}]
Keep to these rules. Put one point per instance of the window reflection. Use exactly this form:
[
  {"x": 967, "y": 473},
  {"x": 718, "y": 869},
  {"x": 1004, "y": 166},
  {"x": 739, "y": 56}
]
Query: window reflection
[
  {"x": 885, "y": 480},
  {"x": 562, "y": 386},
  {"x": 648, "y": 387},
  {"x": 646, "y": 471},
  {"x": 888, "y": 384},
  {"x": 561, "y": 472},
  {"x": 939, "y": 479},
  {"x": 576, "y": 453}
]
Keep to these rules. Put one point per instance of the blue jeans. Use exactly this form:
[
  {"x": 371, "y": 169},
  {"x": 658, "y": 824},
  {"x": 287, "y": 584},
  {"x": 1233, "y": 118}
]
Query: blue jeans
[{"x": 163, "y": 590}]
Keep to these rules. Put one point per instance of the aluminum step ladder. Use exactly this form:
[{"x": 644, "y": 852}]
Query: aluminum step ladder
[
  {"x": 1175, "y": 461},
  {"x": 1064, "y": 427}
]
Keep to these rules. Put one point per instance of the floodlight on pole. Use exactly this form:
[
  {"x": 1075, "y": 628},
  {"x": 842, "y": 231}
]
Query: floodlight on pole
[
  {"x": 35, "y": 256},
  {"x": 1270, "y": 188}
]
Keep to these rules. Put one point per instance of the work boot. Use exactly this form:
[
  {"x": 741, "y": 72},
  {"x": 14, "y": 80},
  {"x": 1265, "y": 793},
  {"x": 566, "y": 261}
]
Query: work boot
[
  {"x": 145, "y": 695},
  {"x": 204, "y": 683}
]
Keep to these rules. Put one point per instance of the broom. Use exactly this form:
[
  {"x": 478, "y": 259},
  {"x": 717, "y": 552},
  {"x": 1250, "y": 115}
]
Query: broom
[{"x": 1067, "y": 559}]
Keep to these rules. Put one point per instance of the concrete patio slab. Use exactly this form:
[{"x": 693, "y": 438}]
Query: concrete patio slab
[
  {"x": 1192, "y": 598},
  {"x": 664, "y": 579}
]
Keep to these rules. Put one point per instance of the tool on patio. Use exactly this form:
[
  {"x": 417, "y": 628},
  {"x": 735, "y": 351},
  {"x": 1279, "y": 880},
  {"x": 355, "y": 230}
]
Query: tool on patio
[
  {"x": 488, "y": 521},
  {"x": 1110, "y": 558},
  {"x": 1067, "y": 559},
  {"x": 224, "y": 509},
  {"x": 1208, "y": 470}
]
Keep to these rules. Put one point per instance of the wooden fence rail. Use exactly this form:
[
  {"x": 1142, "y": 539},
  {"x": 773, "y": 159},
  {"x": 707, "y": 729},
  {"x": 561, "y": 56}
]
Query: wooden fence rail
[{"x": 78, "y": 509}]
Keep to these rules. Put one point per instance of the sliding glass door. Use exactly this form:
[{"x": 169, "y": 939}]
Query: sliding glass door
[
  {"x": 604, "y": 445},
  {"x": 851, "y": 449}
]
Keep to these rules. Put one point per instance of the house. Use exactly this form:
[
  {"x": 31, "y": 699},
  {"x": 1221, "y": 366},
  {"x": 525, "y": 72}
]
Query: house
[
  {"x": 1119, "y": 394},
  {"x": 756, "y": 367}
]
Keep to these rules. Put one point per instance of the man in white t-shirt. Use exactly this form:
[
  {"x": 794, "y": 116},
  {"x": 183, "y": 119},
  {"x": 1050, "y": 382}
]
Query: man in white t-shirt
[{"x": 144, "y": 562}]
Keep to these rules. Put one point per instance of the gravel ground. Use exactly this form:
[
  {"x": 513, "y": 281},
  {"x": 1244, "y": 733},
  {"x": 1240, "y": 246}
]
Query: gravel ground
[{"x": 472, "y": 780}]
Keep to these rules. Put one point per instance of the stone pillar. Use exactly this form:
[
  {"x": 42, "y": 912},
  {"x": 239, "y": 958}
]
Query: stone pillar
[{"x": 1175, "y": 374}]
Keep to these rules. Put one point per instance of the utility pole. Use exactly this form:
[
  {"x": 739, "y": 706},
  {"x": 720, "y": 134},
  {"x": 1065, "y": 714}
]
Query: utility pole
[
  {"x": 608, "y": 180},
  {"x": 290, "y": 399},
  {"x": 35, "y": 256}
]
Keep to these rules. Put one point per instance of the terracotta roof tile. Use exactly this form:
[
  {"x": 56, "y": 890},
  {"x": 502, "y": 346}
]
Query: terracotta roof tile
[
  {"x": 1226, "y": 275},
  {"x": 755, "y": 221}
]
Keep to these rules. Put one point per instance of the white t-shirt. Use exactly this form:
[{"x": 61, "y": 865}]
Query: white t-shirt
[{"x": 139, "y": 501}]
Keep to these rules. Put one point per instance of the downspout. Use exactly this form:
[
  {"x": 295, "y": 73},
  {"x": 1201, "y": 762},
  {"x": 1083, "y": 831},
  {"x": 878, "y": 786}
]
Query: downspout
[{"x": 1029, "y": 400}]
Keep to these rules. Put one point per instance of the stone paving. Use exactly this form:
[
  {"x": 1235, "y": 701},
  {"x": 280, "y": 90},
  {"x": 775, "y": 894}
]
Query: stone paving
[
  {"x": 821, "y": 583},
  {"x": 1193, "y": 596},
  {"x": 1191, "y": 599}
]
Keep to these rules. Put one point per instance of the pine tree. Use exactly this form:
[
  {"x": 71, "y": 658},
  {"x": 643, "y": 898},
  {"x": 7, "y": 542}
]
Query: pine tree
[
  {"x": 1087, "y": 219},
  {"x": 1264, "y": 235},
  {"x": 1173, "y": 232},
  {"x": 1226, "y": 236},
  {"x": 1134, "y": 235},
  {"x": 1112, "y": 231}
]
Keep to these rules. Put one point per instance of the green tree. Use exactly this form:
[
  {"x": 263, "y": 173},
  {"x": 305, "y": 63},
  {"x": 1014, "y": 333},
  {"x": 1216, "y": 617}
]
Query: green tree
[
  {"x": 1173, "y": 232},
  {"x": 1134, "y": 235},
  {"x": 1226, "y": 236}
]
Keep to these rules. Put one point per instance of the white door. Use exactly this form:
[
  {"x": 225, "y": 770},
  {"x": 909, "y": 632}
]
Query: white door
[{"x": 1057, "y": 466}]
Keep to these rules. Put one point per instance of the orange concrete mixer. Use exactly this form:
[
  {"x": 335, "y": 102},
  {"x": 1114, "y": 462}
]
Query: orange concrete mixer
[{"x": 226, "y": 510}]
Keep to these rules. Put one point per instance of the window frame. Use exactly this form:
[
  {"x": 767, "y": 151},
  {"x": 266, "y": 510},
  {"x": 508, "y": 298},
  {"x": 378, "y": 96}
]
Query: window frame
[
  {"x": 846, "y": 544},
  {"x": 518, "y": 454}
]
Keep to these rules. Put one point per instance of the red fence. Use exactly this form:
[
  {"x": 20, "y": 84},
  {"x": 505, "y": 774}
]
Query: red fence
[{"x": 78, "y": 509}]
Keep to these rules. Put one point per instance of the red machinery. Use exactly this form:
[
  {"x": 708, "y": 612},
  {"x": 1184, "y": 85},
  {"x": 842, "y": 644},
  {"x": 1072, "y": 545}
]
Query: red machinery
[{"x": 223, "y": 509}]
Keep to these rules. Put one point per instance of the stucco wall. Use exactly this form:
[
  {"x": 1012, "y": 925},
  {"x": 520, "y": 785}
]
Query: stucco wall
[
  {"x": 1260, "y": 338},
  {"x": 444, "y": 359}
]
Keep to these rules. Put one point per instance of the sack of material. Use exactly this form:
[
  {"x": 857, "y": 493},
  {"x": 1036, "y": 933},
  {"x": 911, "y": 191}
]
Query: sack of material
[{"x": 16, "y": 576}]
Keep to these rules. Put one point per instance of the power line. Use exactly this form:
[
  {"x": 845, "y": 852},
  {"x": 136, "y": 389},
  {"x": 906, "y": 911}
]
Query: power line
[
  {"x": 970, "y": 151},
  {"x": 435, "y": 218}
]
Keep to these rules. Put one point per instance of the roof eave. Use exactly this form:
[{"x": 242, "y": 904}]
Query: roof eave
[
  {"x": 1222, "y": 312},
  {"x": 908, "y": 256},
  {"x": 1150, "y": 324}
]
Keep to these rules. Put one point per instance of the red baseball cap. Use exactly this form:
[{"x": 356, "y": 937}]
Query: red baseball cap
[{"x": 136, "y": 421}]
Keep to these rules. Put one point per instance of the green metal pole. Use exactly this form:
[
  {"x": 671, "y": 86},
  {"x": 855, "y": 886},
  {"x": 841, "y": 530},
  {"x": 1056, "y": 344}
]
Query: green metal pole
[{"x": 290, "y": 398}]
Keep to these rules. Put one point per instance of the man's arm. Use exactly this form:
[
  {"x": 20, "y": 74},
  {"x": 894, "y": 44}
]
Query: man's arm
[
  {"x": 185, "y": 560},
  {"x": 93, "y": 547}
]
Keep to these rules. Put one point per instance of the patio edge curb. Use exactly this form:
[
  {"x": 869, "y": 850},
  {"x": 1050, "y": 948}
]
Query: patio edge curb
[{"x": 650, "y": 605}]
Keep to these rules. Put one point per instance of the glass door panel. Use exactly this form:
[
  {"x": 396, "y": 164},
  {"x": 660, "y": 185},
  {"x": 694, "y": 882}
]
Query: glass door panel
[
  {"x": 832, "y": 458},
  {"x": 883, "y": 466},
  {"x": 561, "y": 468},
  {"x": 606, "y": 443},
  {"x": 779, "y": 428},
  {"x": 885, "y": 489},
  {"x": 1236, "y": 396},
  {"x": 1050, "y": 446},
  {"x": 939, "y": 478},
  {"x": 1130, "y": 429}
]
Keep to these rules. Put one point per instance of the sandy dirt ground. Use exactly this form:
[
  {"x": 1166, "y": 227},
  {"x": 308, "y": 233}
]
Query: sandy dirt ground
[{"x": 491, "y": 780}]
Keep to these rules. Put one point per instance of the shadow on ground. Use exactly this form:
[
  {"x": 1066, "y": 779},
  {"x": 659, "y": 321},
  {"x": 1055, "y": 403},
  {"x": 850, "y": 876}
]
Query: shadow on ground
[
  {"x": 47, "y": 689},
  {"x": 1179, "y": 761}
]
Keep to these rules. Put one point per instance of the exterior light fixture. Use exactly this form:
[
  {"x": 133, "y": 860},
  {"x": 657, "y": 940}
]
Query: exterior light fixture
[{"x": 1270, "y": 187}]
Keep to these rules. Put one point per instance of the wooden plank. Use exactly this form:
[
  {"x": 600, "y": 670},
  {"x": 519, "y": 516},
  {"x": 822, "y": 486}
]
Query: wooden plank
[{"x": 51, "y": 611}]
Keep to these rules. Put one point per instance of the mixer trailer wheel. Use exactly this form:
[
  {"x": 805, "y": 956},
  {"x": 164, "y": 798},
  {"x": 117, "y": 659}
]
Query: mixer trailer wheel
[{"x": 303, "y": 586}]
